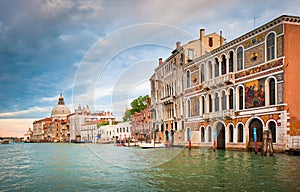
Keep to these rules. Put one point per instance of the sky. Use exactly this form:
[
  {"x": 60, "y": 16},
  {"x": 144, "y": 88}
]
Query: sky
[{"x": 102, "y": 53}]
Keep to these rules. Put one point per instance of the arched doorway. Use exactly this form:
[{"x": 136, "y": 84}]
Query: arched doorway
[
  {"x": 255, "y": 123},
  {"x": 220, "y": 136}
]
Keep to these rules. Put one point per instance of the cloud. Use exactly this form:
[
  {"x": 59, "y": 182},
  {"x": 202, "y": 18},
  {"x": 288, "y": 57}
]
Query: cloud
[
  {"x": 44, "y": 44},
  {"x": 54, "y": 98},
  {"x": 26, "y": 111}
]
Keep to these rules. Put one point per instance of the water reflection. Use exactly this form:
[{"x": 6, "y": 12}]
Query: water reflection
[{"x": 70, "y": 167}]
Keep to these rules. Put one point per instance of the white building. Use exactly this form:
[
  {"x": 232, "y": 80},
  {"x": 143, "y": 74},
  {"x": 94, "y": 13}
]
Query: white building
[
  {"x": 88, "y": 131},
  {"x": 111, "y": 132},
  {"x": 83, "y": 116}
]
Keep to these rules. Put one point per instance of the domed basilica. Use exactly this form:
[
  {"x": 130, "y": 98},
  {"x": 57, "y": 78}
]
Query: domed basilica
[{"x": 60, "y": 111}]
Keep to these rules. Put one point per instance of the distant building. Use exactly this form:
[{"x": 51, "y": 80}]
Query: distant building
[
  {"x": 82, "y": 117},
  {"x": 60, "y": 111},
  {"x": 41, "y": 130},
  {"x": 141, "y": 125},
  {"x": 117, "y": 132},
  {"x": 28, "y": 136},
  {"x": 54, "y": 128}
]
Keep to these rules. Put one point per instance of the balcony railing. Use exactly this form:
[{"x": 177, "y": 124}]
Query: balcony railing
[
  {"x": 168, "y": 99},
  {"x": 219, "y": 81},
  {"x": 220, "y": 114}
]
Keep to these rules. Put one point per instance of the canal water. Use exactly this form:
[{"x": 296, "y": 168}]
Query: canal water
[{"x": 92, "y": 167}]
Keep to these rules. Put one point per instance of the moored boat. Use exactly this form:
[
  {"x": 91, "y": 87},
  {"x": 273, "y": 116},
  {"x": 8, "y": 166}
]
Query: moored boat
[
  {"x": 4, "y": 141},
  {"x": 120, "y": 144},
  {"x": 152, "y": 145}
]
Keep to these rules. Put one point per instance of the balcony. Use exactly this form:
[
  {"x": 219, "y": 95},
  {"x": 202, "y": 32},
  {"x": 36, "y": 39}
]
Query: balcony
[
  {"x": 168, "y": 99},
  {"x": 225, "y": 114},
  {"x": 219, "y": 81},
  {"x": 225, "y": 79}
]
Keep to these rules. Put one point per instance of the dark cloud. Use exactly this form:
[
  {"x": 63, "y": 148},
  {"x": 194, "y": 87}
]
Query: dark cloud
[{"x": 42, "y": 41}]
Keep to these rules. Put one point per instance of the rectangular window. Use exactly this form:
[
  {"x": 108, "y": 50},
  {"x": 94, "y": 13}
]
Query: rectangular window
[
  {"x": 210, "y": 41},
  {"x": 190, "y": 54}
]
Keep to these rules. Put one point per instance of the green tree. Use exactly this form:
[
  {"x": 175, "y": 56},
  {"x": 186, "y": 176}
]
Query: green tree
[{"x": 137, "y": 105}]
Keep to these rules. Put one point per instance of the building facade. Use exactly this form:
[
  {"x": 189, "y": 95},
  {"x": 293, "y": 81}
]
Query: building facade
[
  {"x": 141, "y": 123},
  {"x": 54, "y": 128},
  {"x": 167, "y": 87},
  {"x": 109, "y": 133},
  {"x": 82, "y": 118},
  {"x": 245, "y": 85}
]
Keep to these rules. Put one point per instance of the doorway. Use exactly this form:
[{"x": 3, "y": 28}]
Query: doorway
[{"x": 220, "y": 136}]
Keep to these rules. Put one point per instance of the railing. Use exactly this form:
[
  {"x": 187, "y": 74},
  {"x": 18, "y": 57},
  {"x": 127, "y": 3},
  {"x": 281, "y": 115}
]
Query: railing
[
  {"x": 219, "y": 81},
  {"x": 168, "y": 99},
  {"x": 219, "y": 114}
]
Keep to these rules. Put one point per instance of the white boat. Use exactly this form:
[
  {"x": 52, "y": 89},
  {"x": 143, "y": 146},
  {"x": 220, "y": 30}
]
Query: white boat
[{"x": 151, "y": 145}]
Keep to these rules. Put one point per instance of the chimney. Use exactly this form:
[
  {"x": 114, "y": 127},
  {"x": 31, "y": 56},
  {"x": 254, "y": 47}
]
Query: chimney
[
  {"x": 160, "y": 61},
  {"x": 221, "y": 38},
  {"x": 178, "y": 45},
  {"x": 202, "y": 33}
]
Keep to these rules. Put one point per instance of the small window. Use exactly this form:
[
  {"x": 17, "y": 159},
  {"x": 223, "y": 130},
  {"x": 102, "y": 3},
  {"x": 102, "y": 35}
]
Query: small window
[
  {"x": 202, "y": 72},
  {"x": 231, "y": 61},
  {"x": 241, "y": 98},
  {"x": 216, "y": 67},
  {"x": 188, "y": 79},
  {"x": 209, "y": 134},
  {"x": 209, "y": 103},
  {"x": 240, "y": 133},
  {"x": 202, "y": 134},
  {"x": 271, "y": 47},
  {"x": 190, "y": 54},
  {"x": 203, "y": 105},
  {"x": 240, "y": 57},
  {"x": 272, "y": 91},
  {"x": 231, "y": 133},
  {"x": 217, "y": 103},
  {"x": 223, "y": 101},
  {"x": 272, "y": 128},
  {"x": 223, "y": 65},
  {"x": 210, "y": 42},
  {"x": 231, "y": 99}
]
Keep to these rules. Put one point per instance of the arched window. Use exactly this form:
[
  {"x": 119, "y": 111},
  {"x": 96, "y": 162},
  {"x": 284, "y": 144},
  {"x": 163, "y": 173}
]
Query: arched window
[
  {"x": 231, "y": 61},
  {"x": 202, "y": 73},
  {"x": 223, "y": 65},
  {"x": 216, "y": 67},
  {"x": 202, "y": 134},
  {"x": 240, "y": 133},
  {"x": 231, "y": 99},
  {"x": 209, "y": 134},
  {"x": 188, "y": 79},
  {"x": 223, "y": 100},
  {"x": 217, "y": 108},
  {"x": 231, "y": 133},
  {"x": 203, "y": 105},
  {"x": 210, "y": 72},
  {"x": 240, "y": 58},
  {"x": 272, "y": 128},
  {"x": 241, "y": 98},
  {"x": 272, "y": 92},
  {"x": 271, "y": 46},
  {"x": 189, "y": 108},
  {"x": 209, "y": 103}
]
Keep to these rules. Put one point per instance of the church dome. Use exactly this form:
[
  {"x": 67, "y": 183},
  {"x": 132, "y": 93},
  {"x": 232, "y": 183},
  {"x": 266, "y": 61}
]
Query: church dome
[{"x": 60, "y": 111}]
